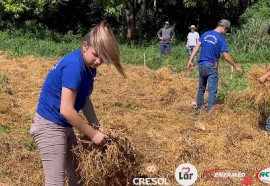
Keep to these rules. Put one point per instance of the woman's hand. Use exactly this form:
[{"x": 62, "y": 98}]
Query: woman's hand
[
  {"x": 99, "y": 138},
  {"x": 262, "y": 79}
]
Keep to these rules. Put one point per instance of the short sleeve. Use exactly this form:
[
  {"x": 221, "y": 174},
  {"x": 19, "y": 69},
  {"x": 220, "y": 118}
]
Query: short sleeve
[
  {"x": 72, "y": 76},
  {"x": 201, "y": 38},
  {"x": 224, "y": 46},
  {"x": 197, "y": 36}
]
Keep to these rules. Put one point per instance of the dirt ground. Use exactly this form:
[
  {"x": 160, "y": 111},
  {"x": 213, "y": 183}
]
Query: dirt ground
[{"x": 154, "y": 109}]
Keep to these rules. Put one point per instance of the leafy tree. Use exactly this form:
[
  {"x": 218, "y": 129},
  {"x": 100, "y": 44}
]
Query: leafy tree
[{"x": 134, "y": 19}]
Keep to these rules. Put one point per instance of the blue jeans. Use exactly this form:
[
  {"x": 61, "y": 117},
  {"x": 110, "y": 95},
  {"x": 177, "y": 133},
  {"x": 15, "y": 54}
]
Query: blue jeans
[
  {"x": 190, "y": 50},
  {"x": 208, "y": 74},
  {"x": 165, "y": 47}
]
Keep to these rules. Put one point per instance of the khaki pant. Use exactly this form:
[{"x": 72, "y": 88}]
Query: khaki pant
[{"x": 54, "y": 143}]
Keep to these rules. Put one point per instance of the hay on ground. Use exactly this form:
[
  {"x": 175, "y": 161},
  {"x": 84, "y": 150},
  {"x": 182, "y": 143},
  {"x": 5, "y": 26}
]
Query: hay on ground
[
  {"x": 155, "y": 106},
  {"x": 114, "y": 163}
]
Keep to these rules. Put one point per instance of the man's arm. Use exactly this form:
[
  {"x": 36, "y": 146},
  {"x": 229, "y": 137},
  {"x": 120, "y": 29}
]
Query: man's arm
[
  {"x": 229, "y": 59},
  {"x": 187, "y": 43},
  {"x": 89, "y": 113},
  {"x": 198, "y": 37},
  {"x": 195, "y": 51},
  {"x": 159, "y": 34},
  {"x": 172, "y": 34}
]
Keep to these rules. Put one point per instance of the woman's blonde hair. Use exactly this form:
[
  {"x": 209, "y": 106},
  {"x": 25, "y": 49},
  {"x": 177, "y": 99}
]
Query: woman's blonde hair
[{"x": 102, "y": 39}]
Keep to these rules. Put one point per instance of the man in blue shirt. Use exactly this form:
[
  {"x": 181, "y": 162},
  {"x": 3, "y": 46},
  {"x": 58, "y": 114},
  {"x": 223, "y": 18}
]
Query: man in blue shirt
[{"x": 212, "y": 43}]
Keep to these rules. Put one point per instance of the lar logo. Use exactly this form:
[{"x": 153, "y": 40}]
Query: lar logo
[
  {"x": 264, "y": 175},
  {"x": 186, "y": 174},
  {"x": 150, "y": 169}
]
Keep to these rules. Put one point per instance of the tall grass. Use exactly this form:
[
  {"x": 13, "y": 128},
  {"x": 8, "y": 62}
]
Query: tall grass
[
  {"x": 150, "y": 55},
  {"x": 17, "y": 44},
  {"x": 250, "y": 43},
  {"x": 22, "y": 44}
]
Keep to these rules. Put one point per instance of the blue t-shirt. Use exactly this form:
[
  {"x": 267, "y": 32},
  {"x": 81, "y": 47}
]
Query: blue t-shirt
[
  {"x": 70, "y": 72},
  {"x": 213, "y": 43}
]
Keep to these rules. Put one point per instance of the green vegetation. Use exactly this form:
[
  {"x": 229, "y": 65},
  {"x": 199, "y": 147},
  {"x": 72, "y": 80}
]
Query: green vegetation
[
  {"x": 140, "y": 18},
  {"x": 229, "y": 84},
  {"x": 25, "y": 130},
  {"x": 28, "y": 144},
  {"x": 251, "y": 43},
  {"x": 51, "y": 45},
  {"x": 4, "y": 81},
  {"x": 136, "y": 55},
  {"x": 4, "y": 84},
  {"x": 4, "y": 129}
]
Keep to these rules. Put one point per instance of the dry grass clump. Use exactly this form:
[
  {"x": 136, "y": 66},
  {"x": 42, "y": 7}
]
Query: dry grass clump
[
  {"x": 257, "y": 95},
  {"x": 114, "y": 163},
  {"x": 260, "y": 92}
]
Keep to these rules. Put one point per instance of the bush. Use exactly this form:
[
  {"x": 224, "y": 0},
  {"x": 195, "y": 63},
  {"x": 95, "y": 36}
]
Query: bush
[{"x": 251, "y": 43}]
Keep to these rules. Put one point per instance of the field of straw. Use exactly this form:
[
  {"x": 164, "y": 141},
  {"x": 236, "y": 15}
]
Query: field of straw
[{"x": 151, "y": 109}]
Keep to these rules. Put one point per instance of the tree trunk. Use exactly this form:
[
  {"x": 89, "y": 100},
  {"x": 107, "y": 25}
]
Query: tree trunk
[
  {"x": 140, "y": 17},
  {"x": 129, "y": 11},
  {"x": 135, "y": 14}
]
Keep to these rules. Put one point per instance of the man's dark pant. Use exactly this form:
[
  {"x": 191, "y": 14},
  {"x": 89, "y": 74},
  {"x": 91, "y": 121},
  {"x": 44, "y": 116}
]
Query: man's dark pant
[
  {"x": 208, "y": 74},
  {"x": 190, "y": 50},
  {"x": 165, "y": 47}
]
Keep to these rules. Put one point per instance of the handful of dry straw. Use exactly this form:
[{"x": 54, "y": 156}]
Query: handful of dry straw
[{"x": 114, "y": 163}]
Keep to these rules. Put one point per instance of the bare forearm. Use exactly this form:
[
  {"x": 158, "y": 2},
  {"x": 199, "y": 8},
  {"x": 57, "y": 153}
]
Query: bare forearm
[
  {"x": 229, "y": 59},
  {"x": 195, "y": 51},
  {"x": 159, "y": 33},
  {"x": 89, "y": 112},
  {"x": 266, "y": 75},
  {"x": 76, "y": 121}
]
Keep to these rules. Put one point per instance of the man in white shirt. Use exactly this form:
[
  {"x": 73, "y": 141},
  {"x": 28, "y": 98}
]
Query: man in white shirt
[{"x": 192, "y": 39}]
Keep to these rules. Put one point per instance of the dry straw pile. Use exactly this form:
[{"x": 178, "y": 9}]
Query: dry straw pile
[
  {"x": 257, "y": 95},
  {"x": 114, "y": 163},
  {"x": 152, "y": 118}
]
